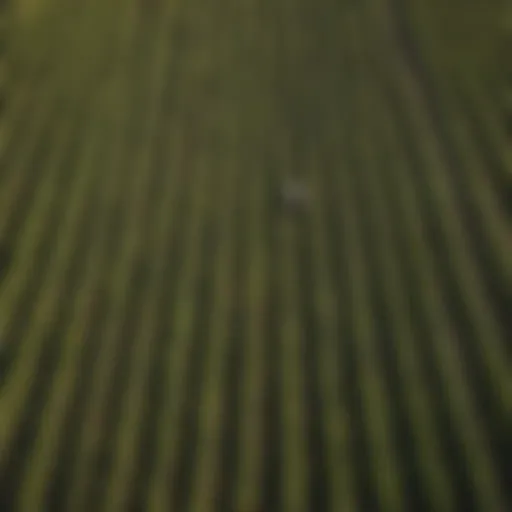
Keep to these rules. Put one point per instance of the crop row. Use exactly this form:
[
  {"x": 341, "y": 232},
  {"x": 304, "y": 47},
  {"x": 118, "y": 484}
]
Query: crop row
[{"x": 173, "y": 343}]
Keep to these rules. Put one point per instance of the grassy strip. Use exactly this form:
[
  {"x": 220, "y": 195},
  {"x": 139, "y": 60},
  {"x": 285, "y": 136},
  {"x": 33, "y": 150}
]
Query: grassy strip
[
  {"x": 212, "y": 409},
  {"x": 450, "y": 221},
  {"x": 489, "y": 300},
  {"x": 478, "y": 186},
  {"x": 61, "y": 476},
  {"x": 455, "y": 237},
  {"x": 52, "y": 293},
  {"x": 20, "y": 378},
  {"x": 32, "y": 492},
  {"x": 466, "y": 41},
  {"x": 25, "y": 188},
  {"x": 466, "y": 91},
  {"x": 484, "y": 197},
  {"x": 56, "y": 86},
  {"x": 16, "y": 117},
  {"x": 375, "y": 402},
  {"x": 124, "y": 449},
  {"x": 161, "y": 495},
  {"x": 413, "y": 382},
  {"x": 122, "y": 476},
  {"x": 470, "y": 91},
  {"x": 49, "y": 169},
  {"x": 124, "y": 199},
  {"x": 493, "y": 140},
  {"x": 14, "y": 180},
  {"x": 140, "y": 358},
  {"x": 339, "y": 452},
  {"x": 492, "y": 222},
  {"x": 293, "y": 441},
  {"x": 462, "y": 412},
  {"x": 250, "y": 461},
  {"x": 53, "y": 41},
  {"x": 295, "y": 481}
]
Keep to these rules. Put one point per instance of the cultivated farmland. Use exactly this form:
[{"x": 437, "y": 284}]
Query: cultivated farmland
[{"x": 172, "y": 339}]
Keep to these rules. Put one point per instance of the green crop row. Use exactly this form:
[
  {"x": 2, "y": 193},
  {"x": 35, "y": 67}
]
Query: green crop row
[{"x": 177, "y": 342}]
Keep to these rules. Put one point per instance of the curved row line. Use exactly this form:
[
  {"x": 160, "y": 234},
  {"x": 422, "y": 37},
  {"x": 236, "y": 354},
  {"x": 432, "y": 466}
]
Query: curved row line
[{"x": 482, "y": 339}]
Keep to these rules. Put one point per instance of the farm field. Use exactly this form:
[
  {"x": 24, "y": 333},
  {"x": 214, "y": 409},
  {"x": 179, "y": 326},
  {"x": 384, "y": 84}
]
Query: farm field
[{"x": 172, "y": 340}]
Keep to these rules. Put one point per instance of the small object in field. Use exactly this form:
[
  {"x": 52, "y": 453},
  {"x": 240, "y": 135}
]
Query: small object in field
[
  {"x": 295, "y": 195},
  {"x": 5, "y": 258}
]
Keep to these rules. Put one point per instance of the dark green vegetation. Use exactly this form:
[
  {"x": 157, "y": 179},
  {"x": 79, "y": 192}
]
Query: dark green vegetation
[
  {"x": 175, "y": 344},
  {"x": 474, "y": 40},
  {"x": 5, "y": 258},
  {"x": 3, "y": 54}
]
